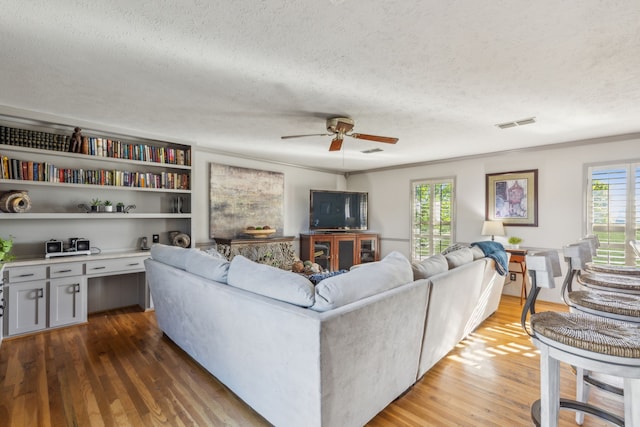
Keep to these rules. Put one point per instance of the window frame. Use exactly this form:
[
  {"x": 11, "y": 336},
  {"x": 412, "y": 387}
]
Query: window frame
[
  {"x": 631, "y": 214},
  {"x": 431, "y": 181}
]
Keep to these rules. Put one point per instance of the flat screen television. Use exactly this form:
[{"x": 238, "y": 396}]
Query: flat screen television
[{"x": 338, "y": 210}]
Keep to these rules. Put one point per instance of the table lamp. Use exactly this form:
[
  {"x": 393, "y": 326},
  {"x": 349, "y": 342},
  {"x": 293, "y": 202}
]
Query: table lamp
[{"x": 492, "y": 228}]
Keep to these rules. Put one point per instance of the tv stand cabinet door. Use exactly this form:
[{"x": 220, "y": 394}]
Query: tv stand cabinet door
[
  {"x": 345, "y": 255},
  {"x": 318, "y": 249},
  {"x": 368, "y": 248}
]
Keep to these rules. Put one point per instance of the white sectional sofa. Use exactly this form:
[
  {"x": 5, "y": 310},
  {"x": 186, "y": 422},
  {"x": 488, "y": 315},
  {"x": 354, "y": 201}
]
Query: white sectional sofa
[{"x": 331, "y": 355}]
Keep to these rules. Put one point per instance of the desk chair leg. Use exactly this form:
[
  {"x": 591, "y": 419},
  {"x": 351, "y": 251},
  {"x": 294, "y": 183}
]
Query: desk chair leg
[
  {"x": 549, "y": 388},
  {"x": 631, "y": 399}
]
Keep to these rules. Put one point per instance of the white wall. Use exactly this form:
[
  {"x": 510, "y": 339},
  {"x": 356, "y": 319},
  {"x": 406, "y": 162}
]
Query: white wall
[
  {"x": 297, "y": 183},
  {"x": 561, "y": 180}
]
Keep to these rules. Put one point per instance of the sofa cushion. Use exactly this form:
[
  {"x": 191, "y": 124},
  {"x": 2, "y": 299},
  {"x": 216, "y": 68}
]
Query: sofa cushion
[
  {"x": 368, "y": 279},
  {"x": 208, "y": 266},
  {"x": 175, "y": 256},
  {"x": 477, "y": 252},
  {"x": 428, "y": 267},
  {"x": 270, "y": 281},
  {"x": 459, "y": 257}
]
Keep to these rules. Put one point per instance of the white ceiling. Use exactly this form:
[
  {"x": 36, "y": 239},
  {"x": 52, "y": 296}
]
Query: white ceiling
[{"x": 234, "y": 76}]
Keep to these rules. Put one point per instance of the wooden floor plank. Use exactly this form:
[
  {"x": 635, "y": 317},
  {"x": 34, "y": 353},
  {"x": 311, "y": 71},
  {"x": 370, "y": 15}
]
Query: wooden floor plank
[{"x": 120, "y": 370}]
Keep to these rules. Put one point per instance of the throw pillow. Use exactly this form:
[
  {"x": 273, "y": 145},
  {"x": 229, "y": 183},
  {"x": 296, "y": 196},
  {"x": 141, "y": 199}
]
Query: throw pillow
[
  {"x": 477, "y": 252},
  {"x": 454, "y": 247},
  {"x": 173, "y": 255},
  {"x": 368, "y": 279},
  {"x": 428, "y": 267},
  {"x": 207, "y": 266},
  {"x": 270, "y": 281},
  {"x": 459, "y": 257}
]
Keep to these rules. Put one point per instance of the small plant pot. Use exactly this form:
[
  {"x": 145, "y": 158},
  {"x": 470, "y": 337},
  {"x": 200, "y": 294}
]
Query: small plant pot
[
  {"x": 108, "y": 208},
  {"x": 95, "y": 208},
  {"x": 119, "y": 208}
]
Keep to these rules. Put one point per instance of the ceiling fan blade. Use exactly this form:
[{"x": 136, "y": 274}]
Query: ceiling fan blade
[
  {"x": 302, "y": 136},
  {"x": 385, "y": 139},
  {"x": 336, "y": 144}
]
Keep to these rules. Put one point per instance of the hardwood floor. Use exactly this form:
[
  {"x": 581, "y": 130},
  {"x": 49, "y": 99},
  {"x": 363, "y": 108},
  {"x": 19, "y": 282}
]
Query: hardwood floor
[{"x": 119, "y": 370}]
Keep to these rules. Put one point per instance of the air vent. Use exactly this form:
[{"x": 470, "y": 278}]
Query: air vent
[
  {"x": 373, "y": 150},
  {"x": 522, "y": 122}
]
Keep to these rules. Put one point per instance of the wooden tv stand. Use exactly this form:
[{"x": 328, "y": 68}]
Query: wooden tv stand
[{"x": 340, "y": 250}]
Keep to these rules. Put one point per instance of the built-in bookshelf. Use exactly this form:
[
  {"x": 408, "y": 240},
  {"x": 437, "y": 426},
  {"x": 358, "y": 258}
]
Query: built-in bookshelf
[
  {"x": 22, "y": 166},
  {"x": 62, "y": 177},
  {"x": 94, "y": 146}
]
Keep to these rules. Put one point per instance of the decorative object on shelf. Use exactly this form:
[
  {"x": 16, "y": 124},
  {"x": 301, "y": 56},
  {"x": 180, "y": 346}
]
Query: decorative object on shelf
[
  {"x": 177, "y": 204},
  {"x": 96, "y": 204},
  {"x": 143, "y": 244},
  {"x": 512, "y": 197},
  {"x": 76, "y": 141},
  {"x": 514, "y": 242},
  {"x": 260, "y": 232},
  {"x": 128, "y": 208},
  {"x": 120, "y": 207},
  {"x": 108, "y": 206},
  {"x": 492, "y": 228},
  {"x": 15, "y": 201},
  {"x": 180, "y": 239}
]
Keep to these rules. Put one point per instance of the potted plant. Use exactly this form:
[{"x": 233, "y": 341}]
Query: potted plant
[
  {"x": 120, "y": 207},
  {"x": 108, "y": 207},
  {"x": 5, "y": 256},
  {"x": 95, "y": 205},
  {"x": 514, "y": 242}
]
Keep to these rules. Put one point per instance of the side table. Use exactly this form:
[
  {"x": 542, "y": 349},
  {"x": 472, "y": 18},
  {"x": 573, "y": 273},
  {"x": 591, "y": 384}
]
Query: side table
[{"x": 518, "y": 256}]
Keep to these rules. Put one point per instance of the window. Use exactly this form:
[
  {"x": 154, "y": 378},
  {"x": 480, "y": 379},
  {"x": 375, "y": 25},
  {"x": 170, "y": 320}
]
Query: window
[
  {"x": 613, "y": 211},
  {"x": 432, "y": 220}
]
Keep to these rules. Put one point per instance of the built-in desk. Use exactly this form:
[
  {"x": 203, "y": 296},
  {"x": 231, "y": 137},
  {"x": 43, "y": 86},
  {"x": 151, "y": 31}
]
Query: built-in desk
[{"x": 48, "y": 293}]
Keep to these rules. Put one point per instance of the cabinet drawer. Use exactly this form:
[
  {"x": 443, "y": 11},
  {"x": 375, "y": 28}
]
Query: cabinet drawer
[
  {"x": 26, "y": 274},
  {"x": 109, "y": 266},
  {"x": 65, "y": 270}
]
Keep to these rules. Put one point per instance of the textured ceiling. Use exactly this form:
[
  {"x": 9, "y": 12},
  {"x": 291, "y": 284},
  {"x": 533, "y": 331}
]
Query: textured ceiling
[{"x": 235, "y": 76}]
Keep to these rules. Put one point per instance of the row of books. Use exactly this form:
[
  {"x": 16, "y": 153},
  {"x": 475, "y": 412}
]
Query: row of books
[
  {"x": 47, "y": 172},
  {"x": 92, "y": 146}
]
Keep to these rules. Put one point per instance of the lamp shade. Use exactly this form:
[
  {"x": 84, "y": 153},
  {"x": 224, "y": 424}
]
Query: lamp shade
[{"x": 492, "y": 228}]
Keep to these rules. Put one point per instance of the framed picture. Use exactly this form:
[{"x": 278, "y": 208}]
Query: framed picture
[
  {"x": 242, "y": 197},
  {"x": 512, "y": 197}
]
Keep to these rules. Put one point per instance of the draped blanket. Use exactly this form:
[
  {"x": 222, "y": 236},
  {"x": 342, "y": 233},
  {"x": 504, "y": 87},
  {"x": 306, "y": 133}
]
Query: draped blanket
[{"x": 496, "y": 252}]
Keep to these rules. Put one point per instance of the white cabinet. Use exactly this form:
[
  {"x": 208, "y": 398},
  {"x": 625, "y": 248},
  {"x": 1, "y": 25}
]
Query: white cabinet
[
  {"x": 67, "y": 294},
  {"x": 27, "y": 307},
  {"x": 49, "y": 293},
  {"x": 27, "y": 298}
]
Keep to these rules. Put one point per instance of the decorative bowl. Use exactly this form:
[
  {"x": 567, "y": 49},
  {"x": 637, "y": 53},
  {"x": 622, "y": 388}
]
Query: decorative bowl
[{"x": 260, "y": 234}]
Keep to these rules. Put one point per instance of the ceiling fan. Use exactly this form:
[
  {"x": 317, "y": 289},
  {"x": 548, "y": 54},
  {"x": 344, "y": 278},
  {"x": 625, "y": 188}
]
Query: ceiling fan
[{"x": 341, "y": 127}]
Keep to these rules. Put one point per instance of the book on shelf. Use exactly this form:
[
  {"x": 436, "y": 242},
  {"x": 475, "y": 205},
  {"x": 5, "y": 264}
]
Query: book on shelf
[
  {"x": 95, "y": 146},
  {"x": 29, "y": 170}
]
